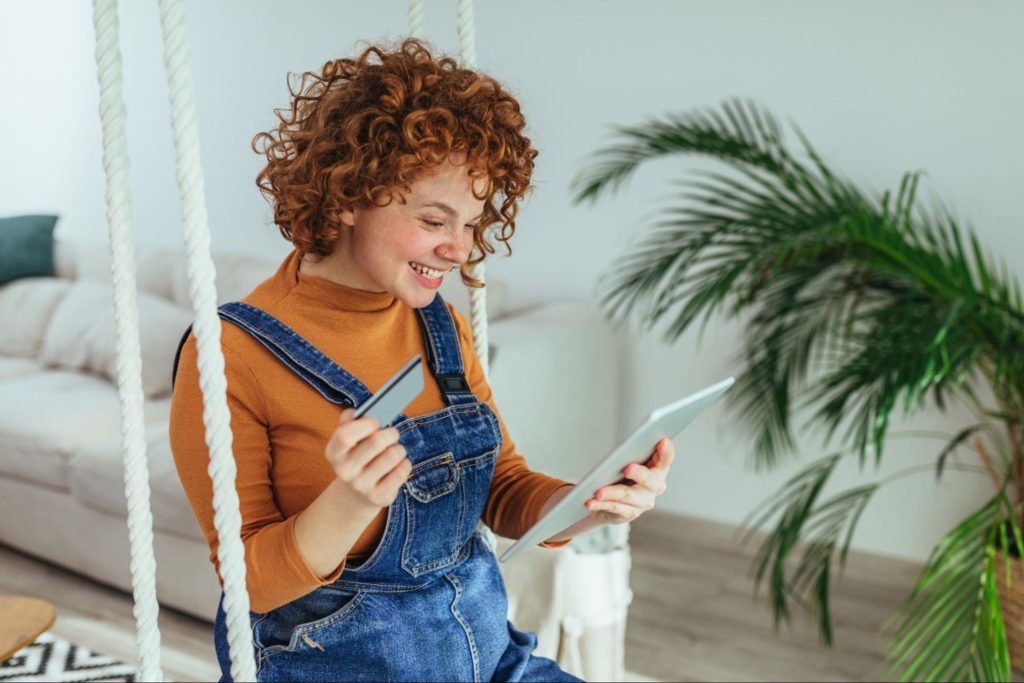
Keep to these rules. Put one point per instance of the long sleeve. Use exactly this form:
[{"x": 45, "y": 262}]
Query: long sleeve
[
  {"x": 517, "y": 493},
  {"x": 276, "y": 572}
]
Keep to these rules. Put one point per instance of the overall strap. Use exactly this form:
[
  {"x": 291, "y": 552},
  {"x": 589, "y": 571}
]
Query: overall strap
[
  {"x": 444, "y": 356},
  {"x": 329, "y": 379}
]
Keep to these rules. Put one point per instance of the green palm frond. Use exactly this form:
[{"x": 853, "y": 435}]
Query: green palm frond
[
  {"x": 950, "y": 627},
  {"x": 816, "y": 534},
  {"x": 768, "y": 236}
]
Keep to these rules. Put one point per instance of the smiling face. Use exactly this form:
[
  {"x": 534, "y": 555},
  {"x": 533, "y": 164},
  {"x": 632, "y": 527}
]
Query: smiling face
[{"x": 409, "y": 246}]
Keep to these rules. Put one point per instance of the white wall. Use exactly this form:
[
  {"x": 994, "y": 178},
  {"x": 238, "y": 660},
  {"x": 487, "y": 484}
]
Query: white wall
[{"x": 880, "y": 87}]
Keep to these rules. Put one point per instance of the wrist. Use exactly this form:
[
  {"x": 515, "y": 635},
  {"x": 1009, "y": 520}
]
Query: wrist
[{"x": 349, "y": 505}]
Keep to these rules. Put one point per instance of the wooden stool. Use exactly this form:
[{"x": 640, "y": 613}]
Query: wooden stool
[{"x": 21, "y": 622}]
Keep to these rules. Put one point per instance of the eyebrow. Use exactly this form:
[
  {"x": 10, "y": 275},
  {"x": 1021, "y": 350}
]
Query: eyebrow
[{"x": 449, "y": 210}]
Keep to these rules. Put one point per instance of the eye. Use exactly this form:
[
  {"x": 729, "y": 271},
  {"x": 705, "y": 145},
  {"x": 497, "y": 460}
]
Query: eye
[{"x": 433, "y": 224}]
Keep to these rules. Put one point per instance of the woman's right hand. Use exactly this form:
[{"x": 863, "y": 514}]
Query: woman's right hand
[{"x": 367, "y": 460}]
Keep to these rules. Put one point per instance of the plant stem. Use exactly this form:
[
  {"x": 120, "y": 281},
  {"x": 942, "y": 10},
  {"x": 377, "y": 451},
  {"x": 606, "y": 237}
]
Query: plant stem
[{"x": 986, "y": 460}]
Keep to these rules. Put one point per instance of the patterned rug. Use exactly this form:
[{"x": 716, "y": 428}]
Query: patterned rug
[{"x": 51, "y": 658}]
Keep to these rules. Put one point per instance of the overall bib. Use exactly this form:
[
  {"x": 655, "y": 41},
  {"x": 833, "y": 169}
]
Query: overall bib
[{"x": 429, "y": 604}]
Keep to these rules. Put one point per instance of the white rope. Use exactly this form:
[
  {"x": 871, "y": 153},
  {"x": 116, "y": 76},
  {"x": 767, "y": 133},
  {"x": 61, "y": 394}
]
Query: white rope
[
  {"x": 416, "y": 18},
  {"x": 466, "y": 27},
  {"x": 202, "y": 289},
  {"x": 129, "y": 356},
  {"x": 477, "y": 296}
]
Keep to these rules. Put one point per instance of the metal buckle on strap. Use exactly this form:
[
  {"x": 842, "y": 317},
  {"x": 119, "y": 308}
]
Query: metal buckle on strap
[{"x": 453, "y": 384}]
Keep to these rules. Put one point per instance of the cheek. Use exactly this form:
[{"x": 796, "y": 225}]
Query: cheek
[{"x": 399, "y": 246}]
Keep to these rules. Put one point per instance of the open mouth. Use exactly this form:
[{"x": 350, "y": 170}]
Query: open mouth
[{"x": 427, "y": 276}]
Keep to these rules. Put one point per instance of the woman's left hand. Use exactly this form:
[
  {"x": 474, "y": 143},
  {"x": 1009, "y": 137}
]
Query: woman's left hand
[{"x": 620, "y": 503}]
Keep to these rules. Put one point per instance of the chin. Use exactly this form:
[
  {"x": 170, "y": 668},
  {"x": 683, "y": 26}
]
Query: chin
[{"x": 419, "y": 299}]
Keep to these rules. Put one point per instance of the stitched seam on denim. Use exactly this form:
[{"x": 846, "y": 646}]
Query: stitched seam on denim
[
  {"x": 465, "y": 626},
  {"x": 426, "y": 464},
  {"x": 492, "y": 420},
  {"x": 299, "y": 629},
  {"x": 289, "y": 360},
  {"x": 439, "y": 415},
  {"x": 257, "y": 644},
  {"x": 438, "y": 363},
  {"x": 438, "y": 492},
  {"x": 385, "y": 587},
  {"x": 463, "y": 504},
  {"x": 299, "y": 339},
  {"x": 469, "y": 463},
  {"x": 256, "y": 641},
  {"x": 410, "y": 527},
  {"x": 408, "y": 563},
  {"x": 329, "y": 620},
  {"x": 455, "y": 328},
  {"x": 257, "y": 332},
  {"x": 461, "y": 369},
  {"x": 417, "y": 568},
  {"x": 315, "y": 385}
]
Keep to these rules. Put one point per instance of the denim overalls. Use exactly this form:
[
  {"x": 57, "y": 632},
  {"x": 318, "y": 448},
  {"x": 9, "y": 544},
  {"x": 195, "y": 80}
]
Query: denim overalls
[{"x": 429, "y": 604}]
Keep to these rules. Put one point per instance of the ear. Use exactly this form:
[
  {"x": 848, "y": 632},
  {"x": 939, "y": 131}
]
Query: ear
[{"x": 347, "y": 217}]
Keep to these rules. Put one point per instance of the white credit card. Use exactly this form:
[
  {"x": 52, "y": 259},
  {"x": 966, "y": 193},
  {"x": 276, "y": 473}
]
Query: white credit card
[{"x": 392, "y": 398}]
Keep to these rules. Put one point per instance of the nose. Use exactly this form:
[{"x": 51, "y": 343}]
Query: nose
[{"x": 455, "y": 250}]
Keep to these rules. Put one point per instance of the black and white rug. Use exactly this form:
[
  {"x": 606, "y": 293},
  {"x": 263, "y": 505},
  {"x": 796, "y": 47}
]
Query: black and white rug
[{"x": 51, "y": 658}]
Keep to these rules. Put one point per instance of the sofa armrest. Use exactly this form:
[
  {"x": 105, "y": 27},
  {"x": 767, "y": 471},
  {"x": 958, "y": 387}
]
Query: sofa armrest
[{"x": 555, "y": 378}]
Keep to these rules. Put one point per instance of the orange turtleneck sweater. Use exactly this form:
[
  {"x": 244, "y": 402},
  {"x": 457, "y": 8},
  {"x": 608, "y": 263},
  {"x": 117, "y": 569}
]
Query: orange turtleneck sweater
[{"x": 280, "y": 426}]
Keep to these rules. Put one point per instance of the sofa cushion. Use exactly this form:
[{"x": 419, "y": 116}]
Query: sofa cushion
[
  {"x": 49, "y": 415},
  {"x": 12, "y": 366},
  {"x": 81, "y": 335},
  {"x": 91, "y": 261},
  {"x": 25, "y": 309},
  {"x": 26, "y": 247},
  {"x": 96, "y": 476},
  {"x": 236, "y": 276}
]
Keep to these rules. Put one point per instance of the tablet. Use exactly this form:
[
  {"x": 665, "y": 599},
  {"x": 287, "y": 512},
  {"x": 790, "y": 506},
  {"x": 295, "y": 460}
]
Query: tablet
[{"x": 669, "y": 420}]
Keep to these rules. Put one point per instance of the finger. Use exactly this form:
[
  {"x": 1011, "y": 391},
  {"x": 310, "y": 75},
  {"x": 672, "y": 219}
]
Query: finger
[
  {"x": 664, "y": 454},
  {"x": 670, "y": 451},
  {"x": 348, "y": 462},
  {"x": 381, "y": 465},
  {"x": 635, "y": 496},
  {"x": 653, "y": 481},
  {"x": 617, "y": 508},
  {"x": 346, "y": 415},
  {"x": 370, "y": 447},
  {"x": 387, "y": 487},
  {"x": 348, "y": 435}
]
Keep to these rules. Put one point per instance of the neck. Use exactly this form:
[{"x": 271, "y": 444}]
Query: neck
[{"x": 332, "y": 268}]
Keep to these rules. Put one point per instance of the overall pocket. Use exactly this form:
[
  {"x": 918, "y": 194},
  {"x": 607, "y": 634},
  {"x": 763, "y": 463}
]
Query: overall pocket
[
  {"x": 434, "y": 509},
  {"x": 299, "y": 623}
]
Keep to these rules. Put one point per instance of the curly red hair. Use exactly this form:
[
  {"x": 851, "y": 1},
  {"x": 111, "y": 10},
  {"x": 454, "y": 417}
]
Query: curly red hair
[{"x": 363, "y": 129}]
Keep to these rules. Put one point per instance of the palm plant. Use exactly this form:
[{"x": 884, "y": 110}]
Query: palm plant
[{"x": 860, "y": 304}]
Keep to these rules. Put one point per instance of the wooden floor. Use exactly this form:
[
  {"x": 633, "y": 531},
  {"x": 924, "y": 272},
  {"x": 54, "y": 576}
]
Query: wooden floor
[{"x": 693, "y": 615}]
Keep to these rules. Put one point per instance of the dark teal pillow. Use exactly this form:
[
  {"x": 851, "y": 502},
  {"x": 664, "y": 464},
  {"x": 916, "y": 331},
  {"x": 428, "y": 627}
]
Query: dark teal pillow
[{"x": 26, "y": 247}]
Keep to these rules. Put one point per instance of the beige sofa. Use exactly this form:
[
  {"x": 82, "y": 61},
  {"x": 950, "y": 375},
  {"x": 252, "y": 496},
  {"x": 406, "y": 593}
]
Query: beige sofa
[{"x": 554, "y": 373}]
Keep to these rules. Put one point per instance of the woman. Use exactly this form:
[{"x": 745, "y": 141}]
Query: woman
[{"x": 362, "y": 553}]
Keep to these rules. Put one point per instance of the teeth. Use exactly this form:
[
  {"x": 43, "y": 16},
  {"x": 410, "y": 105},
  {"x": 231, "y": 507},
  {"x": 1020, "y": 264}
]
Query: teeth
[{"x": 429, "y": 272}]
